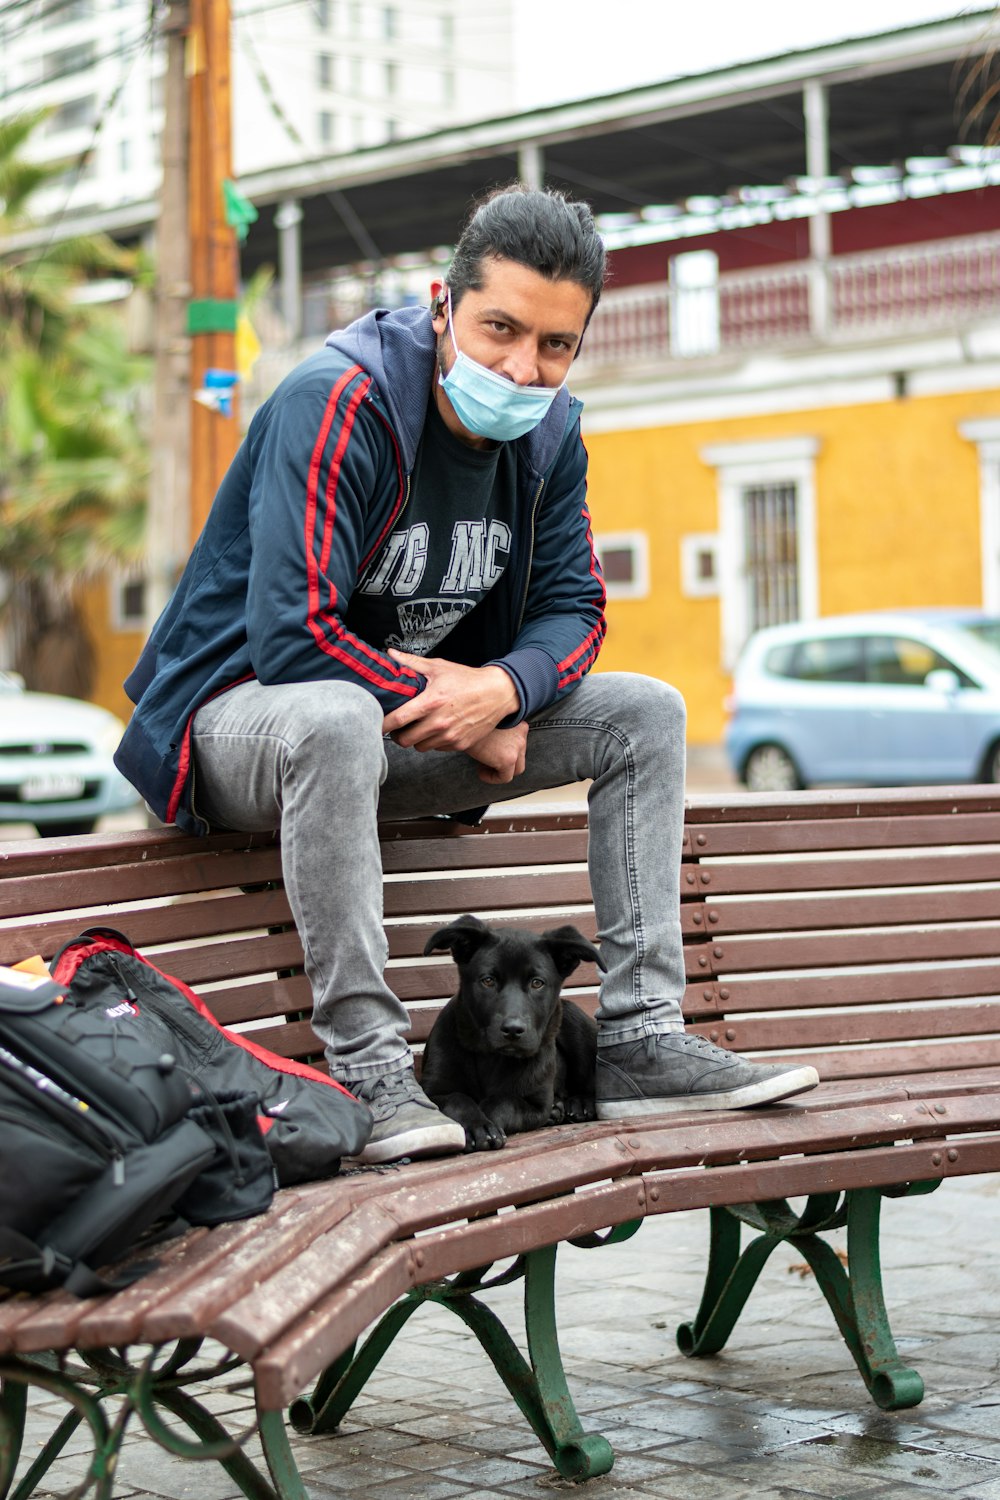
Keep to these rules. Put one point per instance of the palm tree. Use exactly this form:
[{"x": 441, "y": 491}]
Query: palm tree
[{"x": 73, "y": 468}]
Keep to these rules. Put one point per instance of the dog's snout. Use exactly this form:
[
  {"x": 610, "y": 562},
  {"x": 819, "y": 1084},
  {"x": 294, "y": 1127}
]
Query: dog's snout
[{"x": 512, "y": 1028}]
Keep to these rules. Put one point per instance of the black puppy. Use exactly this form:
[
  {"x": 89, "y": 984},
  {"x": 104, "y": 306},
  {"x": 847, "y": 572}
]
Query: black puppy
[{"x": 506, "y": 1054}]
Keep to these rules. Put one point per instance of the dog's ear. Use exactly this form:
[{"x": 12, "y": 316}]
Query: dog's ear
[
  {"x": 570, "y": 948},
  {"x": 461, "y": 938}
]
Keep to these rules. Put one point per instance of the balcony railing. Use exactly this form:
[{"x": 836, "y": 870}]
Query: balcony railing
[{"x": 877, "y": 294}]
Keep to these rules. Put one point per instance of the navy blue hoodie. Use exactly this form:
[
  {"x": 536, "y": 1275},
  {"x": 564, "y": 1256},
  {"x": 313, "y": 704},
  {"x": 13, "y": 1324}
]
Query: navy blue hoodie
[{"x": 318, "y": 483}]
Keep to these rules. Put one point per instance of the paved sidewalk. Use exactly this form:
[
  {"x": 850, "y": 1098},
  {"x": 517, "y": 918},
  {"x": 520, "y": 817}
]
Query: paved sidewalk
[{"x": 781, "y": 1412}]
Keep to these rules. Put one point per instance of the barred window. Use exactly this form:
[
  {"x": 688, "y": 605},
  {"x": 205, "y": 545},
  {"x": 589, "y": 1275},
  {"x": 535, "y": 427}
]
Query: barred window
[{"x": 771, "y": 546}]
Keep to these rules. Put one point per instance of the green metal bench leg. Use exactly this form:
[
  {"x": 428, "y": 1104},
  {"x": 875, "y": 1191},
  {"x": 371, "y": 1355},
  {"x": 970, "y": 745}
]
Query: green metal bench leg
[
  {"x": 45, "y": 1459},
  {"x": 540, "y": 1388},
  {"x": 215, "y": 1443},
  {"x": 13, "y": 1408},
  {"x": 729, "y": 1280},
  {"x": 106, "y": 1440},
  {"x": 279, "y": 1456},
  {"x": 856, "y": 1300},
  {"x": 854, "y": 1295},
  {"x": 340, "y": 1385}
]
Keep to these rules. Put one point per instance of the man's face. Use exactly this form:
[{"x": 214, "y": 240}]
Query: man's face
[{"x": 519, "y": 324}]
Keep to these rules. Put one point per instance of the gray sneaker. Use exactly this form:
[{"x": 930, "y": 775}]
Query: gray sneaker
[
  {"x": 406, "y": 1122},
  {"x": 677, "y": 1071}
]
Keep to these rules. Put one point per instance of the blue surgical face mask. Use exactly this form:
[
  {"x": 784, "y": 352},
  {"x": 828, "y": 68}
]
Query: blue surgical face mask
[{"x": 488, "y": 404}]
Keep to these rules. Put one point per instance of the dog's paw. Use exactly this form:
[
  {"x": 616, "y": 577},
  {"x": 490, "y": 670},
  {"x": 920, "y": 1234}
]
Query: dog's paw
[
  {"x": 485, "y": 1137},
  {"x": 577, "y": 1108},
  {"x": 558, "y": 1113}
]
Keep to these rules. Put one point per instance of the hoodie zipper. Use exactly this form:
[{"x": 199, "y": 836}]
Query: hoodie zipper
[{"x": 531, "y": 553}]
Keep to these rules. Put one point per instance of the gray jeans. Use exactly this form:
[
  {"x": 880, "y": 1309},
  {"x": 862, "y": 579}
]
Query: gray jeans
[{"x": 311, "y": 759}]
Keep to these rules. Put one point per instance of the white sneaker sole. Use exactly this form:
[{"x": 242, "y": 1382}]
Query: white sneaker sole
[
  {"x": 425, "y": 1140},
  {"x": 766, "y": 1091}
]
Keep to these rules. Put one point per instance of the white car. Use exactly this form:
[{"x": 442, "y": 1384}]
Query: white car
[{"x": 56, "y": 767}]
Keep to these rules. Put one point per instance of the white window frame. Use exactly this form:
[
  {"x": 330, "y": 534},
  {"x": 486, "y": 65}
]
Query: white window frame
[
  {"x": 985, "y": 433},
  {"x": 738, "y": 466},
  {"x": 694, "y": 546},
  {"x": 118, "y": 583},
  {"x": 636, "y": 542}
]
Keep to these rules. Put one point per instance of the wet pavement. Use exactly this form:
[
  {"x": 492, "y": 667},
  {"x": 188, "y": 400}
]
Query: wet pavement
[{"x": 780, "y": 1412}]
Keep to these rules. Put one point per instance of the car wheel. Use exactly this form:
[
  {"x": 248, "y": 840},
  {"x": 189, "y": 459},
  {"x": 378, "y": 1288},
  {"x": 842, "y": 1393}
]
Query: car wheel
[
  {"x": 991, "y": 765},
  {"x": 71, "y": 825},
  {"x": 769, "y": 768}
]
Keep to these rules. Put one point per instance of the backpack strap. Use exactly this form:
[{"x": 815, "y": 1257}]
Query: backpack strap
[{"x": 23, "y": 1259}]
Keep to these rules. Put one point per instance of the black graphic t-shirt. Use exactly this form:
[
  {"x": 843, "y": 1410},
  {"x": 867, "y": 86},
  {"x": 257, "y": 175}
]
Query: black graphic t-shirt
[{"x": 450, "y": 546}]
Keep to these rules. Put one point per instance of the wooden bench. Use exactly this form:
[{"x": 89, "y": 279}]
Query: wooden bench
[{"x": 859, "y": 930}]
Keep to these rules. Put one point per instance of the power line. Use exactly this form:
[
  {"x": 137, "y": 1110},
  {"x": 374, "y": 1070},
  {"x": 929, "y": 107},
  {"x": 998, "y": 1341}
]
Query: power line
[
  {"x": 337, "y": 200},
  {"x": 135, "y": 44},
  {"x": 82, "y": 157}
]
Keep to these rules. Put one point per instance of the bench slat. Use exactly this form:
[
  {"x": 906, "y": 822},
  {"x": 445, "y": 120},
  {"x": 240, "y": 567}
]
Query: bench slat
[
  {"x": 846, "y": 1026},
  {"x": 494, "y": 851},
  {"x": 753, "y": 876},
  {"x": 853, "y": 1063},
  {"x": 840, "y": 803},
  {"x": 869, "y": 909},
  {"x": 170, "y": 877},
  {"x": 872, "y": 987},
  {"x": 731, "y": 955},
  {"x": 803, "y": 835}
]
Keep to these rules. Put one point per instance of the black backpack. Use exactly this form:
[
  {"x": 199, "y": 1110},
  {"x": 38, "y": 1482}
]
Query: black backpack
[
  {"x": 102, "y": 1137},
  {"x": 308, "y": 1120}
]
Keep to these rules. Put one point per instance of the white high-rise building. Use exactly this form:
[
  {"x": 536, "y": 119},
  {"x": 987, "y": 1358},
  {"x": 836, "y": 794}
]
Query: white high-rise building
[{"x": 311, "y": 78}]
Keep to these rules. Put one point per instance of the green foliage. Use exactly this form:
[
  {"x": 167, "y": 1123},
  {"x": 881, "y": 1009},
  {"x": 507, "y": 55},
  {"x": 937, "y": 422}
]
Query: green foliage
[{"x": 73, "y": 460}]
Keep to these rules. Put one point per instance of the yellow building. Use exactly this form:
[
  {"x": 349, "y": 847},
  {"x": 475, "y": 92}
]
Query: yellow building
[{"x": 808, "y": 474}]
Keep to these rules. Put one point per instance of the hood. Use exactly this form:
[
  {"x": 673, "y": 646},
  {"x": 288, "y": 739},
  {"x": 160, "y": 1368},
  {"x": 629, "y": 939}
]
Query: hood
[{"x": 398, "y": 348}]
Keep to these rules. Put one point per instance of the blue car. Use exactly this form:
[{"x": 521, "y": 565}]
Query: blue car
[{"x": 878, "y": 699}]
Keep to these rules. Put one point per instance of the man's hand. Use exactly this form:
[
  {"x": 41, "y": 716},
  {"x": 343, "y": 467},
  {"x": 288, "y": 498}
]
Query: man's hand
[
  {"x": 500, "y": 755},
  {"x": 459, "y": 708}
]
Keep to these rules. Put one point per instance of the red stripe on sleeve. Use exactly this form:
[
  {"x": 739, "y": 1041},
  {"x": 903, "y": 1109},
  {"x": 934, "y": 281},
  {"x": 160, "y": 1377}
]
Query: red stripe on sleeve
[{"x": 344, "y": 647}]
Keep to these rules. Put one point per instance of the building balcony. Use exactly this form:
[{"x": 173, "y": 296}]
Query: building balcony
[{"x": 882, "y": 295}]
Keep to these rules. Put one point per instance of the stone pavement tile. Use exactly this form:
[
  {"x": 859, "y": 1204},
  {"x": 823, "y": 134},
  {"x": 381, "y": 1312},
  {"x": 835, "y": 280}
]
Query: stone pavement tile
[
  {"x": 699, "y": 1452},
  {"x": 428, "y": 1455},
  {"x": 493, "y": 1472},
  {"x": 357, "y": 1477},
  {"x": 795, "y": 1473},
  {"x": 988, "y": 1491},
  {"x": 150, "y": 1471},
  {"x": 699, "y": 1484},
  {"x": 929, "y": 1469},
  {"x": 358, "y": 1441},
  {"x": 440, "y": 1424},
  {"x": 411, "y": 1487}
]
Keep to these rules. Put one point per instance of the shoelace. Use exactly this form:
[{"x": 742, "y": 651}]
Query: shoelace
[
  {"x": 694, "y": 1043},
  {"x": 384, "y": 1095}
]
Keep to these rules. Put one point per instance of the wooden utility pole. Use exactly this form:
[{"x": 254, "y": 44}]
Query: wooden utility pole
[
  {"x": 167, "y": 538},
  {"x": 212, "y": 312}
]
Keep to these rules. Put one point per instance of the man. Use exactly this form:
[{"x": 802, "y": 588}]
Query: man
[{"x": 392, "y": 611}]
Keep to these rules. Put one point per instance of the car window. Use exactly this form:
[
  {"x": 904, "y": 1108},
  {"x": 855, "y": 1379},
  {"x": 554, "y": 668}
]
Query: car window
[
  {"x": 828, "y": 659},
  {"x": 779, "y": 659},
  {"x": 984, "y": 630},
  {"x": 900, "y": 659}
]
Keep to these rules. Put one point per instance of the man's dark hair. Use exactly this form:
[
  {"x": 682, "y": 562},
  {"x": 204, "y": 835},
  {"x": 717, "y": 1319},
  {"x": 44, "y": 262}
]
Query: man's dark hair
[{"x": 543, "y": 230}]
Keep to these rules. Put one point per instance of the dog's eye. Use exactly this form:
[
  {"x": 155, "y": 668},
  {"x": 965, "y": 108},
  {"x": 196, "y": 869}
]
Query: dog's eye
[
  {"x": 488, "y": 981},
  {"x": 537, "y": 984}
]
